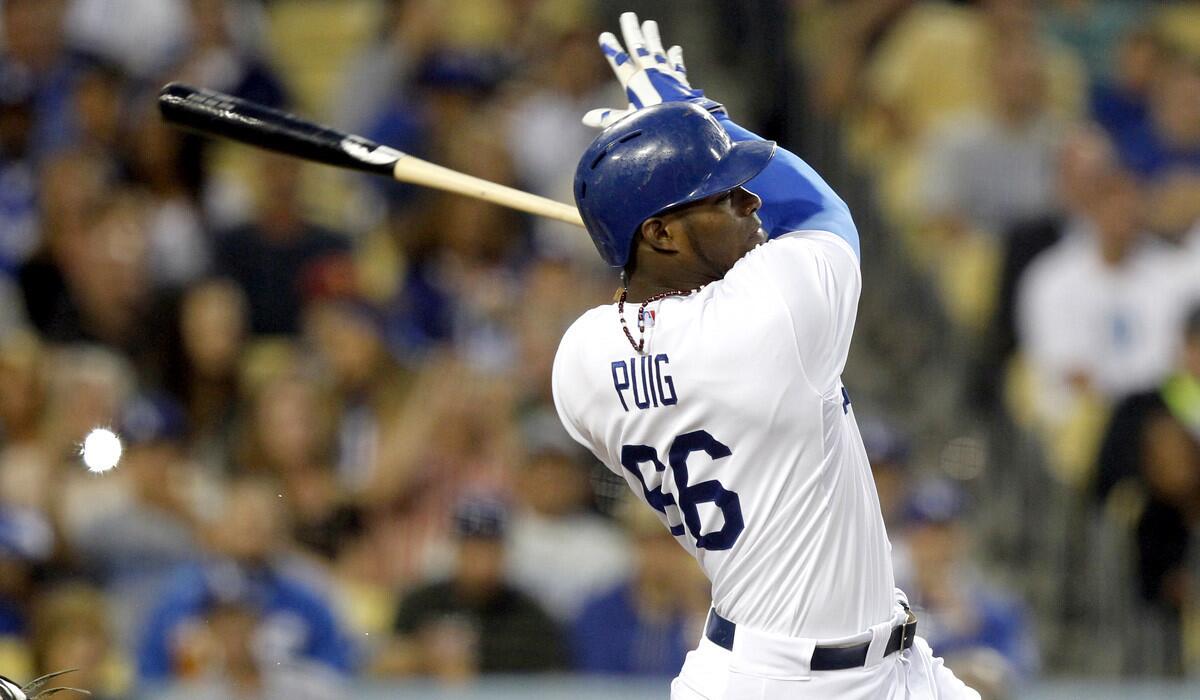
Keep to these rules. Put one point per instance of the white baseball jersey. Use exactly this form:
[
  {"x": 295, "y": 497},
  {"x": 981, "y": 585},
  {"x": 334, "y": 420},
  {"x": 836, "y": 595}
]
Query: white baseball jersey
[{"x": 734, "y": 424}]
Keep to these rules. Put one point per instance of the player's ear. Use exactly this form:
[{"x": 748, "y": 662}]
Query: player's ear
[{"x": 656, "y": 232}]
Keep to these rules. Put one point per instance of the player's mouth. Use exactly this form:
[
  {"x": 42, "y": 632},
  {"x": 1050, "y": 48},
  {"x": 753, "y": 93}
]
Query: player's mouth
[{"x": 757, "y": 236}]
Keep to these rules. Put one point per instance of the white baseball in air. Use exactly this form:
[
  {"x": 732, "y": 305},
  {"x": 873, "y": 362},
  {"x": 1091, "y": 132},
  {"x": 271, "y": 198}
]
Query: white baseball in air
[{"x": 101, "y": 450}]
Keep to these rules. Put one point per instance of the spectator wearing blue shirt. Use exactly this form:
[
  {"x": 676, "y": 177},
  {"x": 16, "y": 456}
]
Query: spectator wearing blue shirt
[
  {"x": 962, "y": 616},
  {"x": 26, "y": 541},
  {"x": 646, "y": 625},
  {"x": 1120, "y": 103},
  {"x": 294, "y": 623}
]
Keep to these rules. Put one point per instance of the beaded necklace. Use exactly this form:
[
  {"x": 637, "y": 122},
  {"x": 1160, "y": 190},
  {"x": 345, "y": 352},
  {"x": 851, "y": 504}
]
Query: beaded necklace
[{"x": 641, "y": 317}]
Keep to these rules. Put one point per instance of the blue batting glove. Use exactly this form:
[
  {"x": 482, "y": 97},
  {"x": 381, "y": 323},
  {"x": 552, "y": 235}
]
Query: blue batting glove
[{"x": 649, "y": 74}]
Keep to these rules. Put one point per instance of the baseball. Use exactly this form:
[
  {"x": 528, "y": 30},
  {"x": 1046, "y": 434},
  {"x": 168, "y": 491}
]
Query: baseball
[{"x": 101, "y": 450}]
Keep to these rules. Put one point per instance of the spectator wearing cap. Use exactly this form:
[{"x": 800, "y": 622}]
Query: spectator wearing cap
[
  {"x": 645, "y": 625},
  {"x": 245, "y": 567},
  {"x": 960, "y": 613},
  {"x": 26, "y": 541},
  {"x": 133, "y": 545},
  {"x": 559, "y": 551},
  {"x": 473, "y": 622},
  {"x": 888, "y": 450}
]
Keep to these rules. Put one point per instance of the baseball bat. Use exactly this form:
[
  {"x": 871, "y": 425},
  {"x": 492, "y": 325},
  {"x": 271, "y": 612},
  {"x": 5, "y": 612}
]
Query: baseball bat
[{"x": 217, "y": 114}]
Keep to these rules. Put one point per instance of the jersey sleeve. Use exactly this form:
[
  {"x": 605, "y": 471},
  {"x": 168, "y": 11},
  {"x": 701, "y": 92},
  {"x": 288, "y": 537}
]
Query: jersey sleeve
[
  {"x": 562, "y": 388},
  {"x": 815, "y": 276},
  {"x": 794, "y": 197}
]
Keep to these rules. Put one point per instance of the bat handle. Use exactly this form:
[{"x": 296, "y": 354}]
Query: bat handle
[{"x": 422, "y": 172}]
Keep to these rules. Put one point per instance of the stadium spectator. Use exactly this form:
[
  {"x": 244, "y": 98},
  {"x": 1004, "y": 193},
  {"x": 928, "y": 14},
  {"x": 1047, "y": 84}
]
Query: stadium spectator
[
  {"x": 34, "y": 53},
  {"x": 1122, "y": 451},
  {"x": 71, "y": 630},
  {"x": 289, "y": 438},
  {"x": 131, "y": 542},
  {"x": 346, "y": 334},
  {"x": 1084, "y": 162},
  {"x": 180, "y": 249},
  {"x": 439, "y": 448},
  {"x": 559, "y": 552},
  {"x": 230, "y": 652},
  {"x": 474, "y": 622},
  {"x": 70, "y": 192},
  {"x": 22, "y": 403},
  {"x": 959, "y": 612},
  {"x": 985, "y": 171},
  {"x": 1098, "y": 312},
  {"x": 1094, "y": 30},
  {"x": 270, "y": 257},
  {"x": 888, "y": 450},
  {"x": 933, "y": 64},
  {"x": 1166, "y": 151},
  {"x": 1169, "y": 138},
  {"x": 561, "y": 84},
  {"x": 1170, "y": 465},
  {"x": 647, "y": 624},
  {"x": 246, "y": 541},
  {"x": 20, "y": 231},
  {"x": 26, "y": 543},
  {"x": 202, "y": 369},
  {"x": 1120, "y": 102}
]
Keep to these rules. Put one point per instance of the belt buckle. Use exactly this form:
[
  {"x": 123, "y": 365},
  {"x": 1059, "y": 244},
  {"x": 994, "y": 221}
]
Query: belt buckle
[{"x": 909, "y": 623}]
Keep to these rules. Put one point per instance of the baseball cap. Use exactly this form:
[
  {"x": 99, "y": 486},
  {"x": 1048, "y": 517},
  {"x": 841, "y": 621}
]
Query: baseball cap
[
  {"x": 883, "y": 442},
  {"x": 25, "y": 535},
  {"x": 935, "y": 501},
  {"x": 460, "y": 71},
  {"x": 543, "y": 435},
  {"x": 481, "y": 517},
  {"x": 152, "y": 418}
]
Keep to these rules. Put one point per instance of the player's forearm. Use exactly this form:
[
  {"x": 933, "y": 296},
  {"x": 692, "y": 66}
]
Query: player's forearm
[{"x": 794, "y": 196}]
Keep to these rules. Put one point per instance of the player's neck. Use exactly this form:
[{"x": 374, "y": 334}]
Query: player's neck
[{"x": 640, "y": 287}]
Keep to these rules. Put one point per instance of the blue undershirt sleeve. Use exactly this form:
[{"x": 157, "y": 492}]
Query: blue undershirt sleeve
[{"x": 794, "y": 196}]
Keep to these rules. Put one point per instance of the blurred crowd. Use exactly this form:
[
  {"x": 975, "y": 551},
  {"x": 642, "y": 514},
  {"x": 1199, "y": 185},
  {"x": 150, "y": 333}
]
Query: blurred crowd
[
  {"x": 342, "y": 458},
  {"x": 1040, "y": 162}
]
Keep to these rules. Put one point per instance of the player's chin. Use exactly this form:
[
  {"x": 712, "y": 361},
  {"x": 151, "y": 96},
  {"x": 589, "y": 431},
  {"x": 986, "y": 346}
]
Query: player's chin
[{"x": 756, "y": 238}]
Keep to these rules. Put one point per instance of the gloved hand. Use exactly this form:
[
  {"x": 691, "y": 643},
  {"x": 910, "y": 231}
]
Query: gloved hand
[
  {"x": 648, "y": 74},
  {"x": 35, "y": 690}
]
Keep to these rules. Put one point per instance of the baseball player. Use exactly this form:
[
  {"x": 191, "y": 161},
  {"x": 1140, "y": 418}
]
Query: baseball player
[{"x": 713, "y": 387}]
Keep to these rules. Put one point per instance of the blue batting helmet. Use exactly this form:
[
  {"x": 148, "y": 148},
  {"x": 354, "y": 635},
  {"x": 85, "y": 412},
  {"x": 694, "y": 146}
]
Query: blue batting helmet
[{"x": 659, "y": 157}]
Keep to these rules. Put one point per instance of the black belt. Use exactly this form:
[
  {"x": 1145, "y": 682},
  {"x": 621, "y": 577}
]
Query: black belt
[{"x": 720, "y": 632}]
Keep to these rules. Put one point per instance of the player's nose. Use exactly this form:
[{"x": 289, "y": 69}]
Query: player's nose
[{"x": 746, "y": 201}]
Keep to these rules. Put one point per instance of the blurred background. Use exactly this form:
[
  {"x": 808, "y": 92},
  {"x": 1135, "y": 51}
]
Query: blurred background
[{"x": 343, "y": 474}]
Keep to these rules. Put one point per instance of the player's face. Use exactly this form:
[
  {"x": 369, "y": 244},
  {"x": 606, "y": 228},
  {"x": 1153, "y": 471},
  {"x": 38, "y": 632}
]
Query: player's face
[{"x": 720, "y": 229}]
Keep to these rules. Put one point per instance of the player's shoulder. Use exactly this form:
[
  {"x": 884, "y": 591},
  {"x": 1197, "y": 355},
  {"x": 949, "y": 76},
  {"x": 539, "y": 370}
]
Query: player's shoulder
[
  {"x": 584, "y": 329},
  {"x": 584, "y": 333},
  {"x": 794, "y": 255},
  {"x": 817, "y": 242}
]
